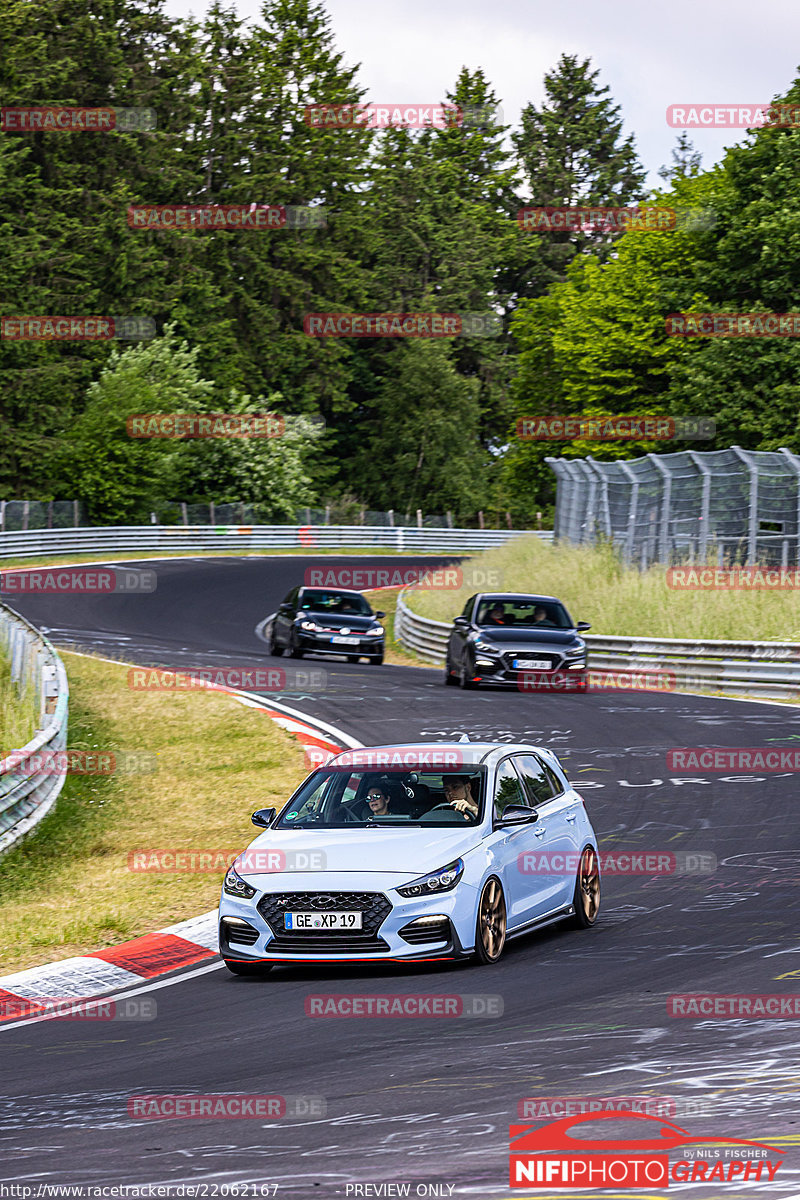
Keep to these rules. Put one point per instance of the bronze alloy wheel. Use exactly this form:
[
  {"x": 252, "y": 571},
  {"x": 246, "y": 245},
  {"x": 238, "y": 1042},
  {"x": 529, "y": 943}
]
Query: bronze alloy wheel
[
  {"x": 587, "y": 889},
  {"x": 490, "y": 934}
]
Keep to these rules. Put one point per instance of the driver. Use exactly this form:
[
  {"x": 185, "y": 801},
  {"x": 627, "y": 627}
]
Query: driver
[
  {"x": 496, "y": 615},
  {"x": 458, "y": 794}
]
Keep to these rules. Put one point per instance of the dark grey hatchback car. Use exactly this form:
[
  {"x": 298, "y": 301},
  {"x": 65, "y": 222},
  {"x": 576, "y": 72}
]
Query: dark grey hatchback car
[
  {"x": 502, "y": 635},
  {"x": 327, "y": 621}
]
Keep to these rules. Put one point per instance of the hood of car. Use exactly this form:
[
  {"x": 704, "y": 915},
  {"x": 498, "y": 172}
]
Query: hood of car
[
  {"x": 510, "y": 636},
  {"x": 336, "y": 620},
  {"x": 384, "y": 849}
]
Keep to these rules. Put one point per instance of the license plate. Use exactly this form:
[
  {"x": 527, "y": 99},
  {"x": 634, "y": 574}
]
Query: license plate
[
  {"x": 532, "y": 664},
  {"x": 346, "y": 641},
  {"x": 328, "y": 920}
]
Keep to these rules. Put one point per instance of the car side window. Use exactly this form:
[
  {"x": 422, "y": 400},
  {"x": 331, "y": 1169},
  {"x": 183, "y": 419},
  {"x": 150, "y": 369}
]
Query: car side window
[
  {"x": 290, "y": 599},
  {"x": 507, "y": 788},
  {"x": 468, "y": 608},
  {"x": 540, "y": 783}
]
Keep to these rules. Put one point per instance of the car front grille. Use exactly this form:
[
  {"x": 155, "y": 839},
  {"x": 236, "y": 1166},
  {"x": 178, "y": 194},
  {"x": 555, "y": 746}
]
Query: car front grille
[
  {"x": 553, "y": 660},
  {"x": 374, "y": 906}
]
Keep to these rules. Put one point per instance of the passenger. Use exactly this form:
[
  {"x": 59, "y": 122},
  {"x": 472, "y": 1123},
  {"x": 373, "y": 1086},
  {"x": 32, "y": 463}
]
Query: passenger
[
  {"x": 540, "y": 615},
  {"x": 378, "y": 800},
  {"x": 458, "y": 794}
]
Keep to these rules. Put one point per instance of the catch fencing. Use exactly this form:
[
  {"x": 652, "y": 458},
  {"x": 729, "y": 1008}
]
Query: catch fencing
[
  {"x": 724, "y": 507},
  {"x": 769, "y": 670},
  {"x": 27, "y": 792},
  {"x": 179, "y": 539}
]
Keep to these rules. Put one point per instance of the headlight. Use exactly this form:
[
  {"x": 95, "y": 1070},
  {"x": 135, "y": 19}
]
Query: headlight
[
  {"x": 309, "y": 625},
  {"x": 578, "y": 648},
  {"x": 485, "y": 647},
  {"x": 234, "y": 885},
  {"x": 442, "y": 880},
  {"x": 374, "y": 631}
]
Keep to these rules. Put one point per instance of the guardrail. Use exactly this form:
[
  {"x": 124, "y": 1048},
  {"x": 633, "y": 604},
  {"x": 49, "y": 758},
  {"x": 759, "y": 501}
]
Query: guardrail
[
  {"x": 113, "y": 539},
  {"x": 765, "y": 669},
  {"x": 27, "y": 791}
]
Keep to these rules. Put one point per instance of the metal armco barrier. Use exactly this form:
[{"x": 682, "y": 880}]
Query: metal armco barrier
[
  {"x": 114, "y": 539},
  {"x": 26, "y": 791},
  {"x": 765, "y": 669}
]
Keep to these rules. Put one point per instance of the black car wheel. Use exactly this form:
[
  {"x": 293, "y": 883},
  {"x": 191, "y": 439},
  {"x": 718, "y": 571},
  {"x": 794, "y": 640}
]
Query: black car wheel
[
  {"x": 465, "y": 678},
  {"x": 294, "y": 649},
  {"x": 378, "y": 660},
  {"x": 353, "y": 657},
  {"x": 244, "y": 968},
  {"x": 449, "y": 678},
  {"x": 274, "y": 648}
]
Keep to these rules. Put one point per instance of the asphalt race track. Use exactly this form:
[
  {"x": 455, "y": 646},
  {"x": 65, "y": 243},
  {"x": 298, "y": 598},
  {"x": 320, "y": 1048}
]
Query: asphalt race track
[{"x": 429, "y": 1101}]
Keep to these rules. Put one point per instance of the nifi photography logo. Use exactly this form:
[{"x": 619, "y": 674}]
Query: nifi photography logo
[{"x": 561, "y": 1155}]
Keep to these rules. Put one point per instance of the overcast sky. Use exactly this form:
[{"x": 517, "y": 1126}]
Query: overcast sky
[{"x": 650, "y": 55}]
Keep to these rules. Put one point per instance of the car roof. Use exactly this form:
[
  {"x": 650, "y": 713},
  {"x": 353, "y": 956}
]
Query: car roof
[
  {"x": 472, "y": 754},
  {"x": 515, "y": 596},
  {"x": 318, "y": 587}
]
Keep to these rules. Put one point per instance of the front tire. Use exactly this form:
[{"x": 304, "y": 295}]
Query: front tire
[
  {"x": 490, "y": 926},
  {"x": 449, "y": 678},
  {"x": 465, "y": 679},
  {"x": 275, "y": 650},
  {"x": 586, "y": 898},
  {"x": 244, "y": 968},
  {"x": 294, "y": 649}
]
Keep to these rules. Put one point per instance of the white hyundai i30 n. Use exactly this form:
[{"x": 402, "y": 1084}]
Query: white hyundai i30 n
[{"x": 409, "y": 853}]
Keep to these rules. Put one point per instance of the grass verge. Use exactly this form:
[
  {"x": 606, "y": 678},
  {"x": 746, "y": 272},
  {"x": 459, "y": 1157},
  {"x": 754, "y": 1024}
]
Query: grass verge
[
  {"x": 19, "y": 712},
  {"x": 619, "y": 600},
  {"x": 67, "y": 889},
  {"x": 385, "y": 600}
]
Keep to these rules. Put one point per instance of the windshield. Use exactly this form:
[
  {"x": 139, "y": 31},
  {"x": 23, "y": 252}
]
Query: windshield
[
  {"x": 527, "y": 614},
  {"x": 334, "y": 602},
  {"x": 351, "y": 799}
]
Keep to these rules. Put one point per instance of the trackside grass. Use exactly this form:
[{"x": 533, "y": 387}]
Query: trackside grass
[
  {"x": 18, "y": 712},
  {"x": 617, "y": 600},
  {"x": 68, "y": 889}
]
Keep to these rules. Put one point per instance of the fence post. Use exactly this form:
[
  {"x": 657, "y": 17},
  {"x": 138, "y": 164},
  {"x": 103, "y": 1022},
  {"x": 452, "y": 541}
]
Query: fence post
[
  {"x": 666, "y": 500},
  {"x": 480, "y": 521},
  {"x": 634, "y": 501},
  {"x": 184, "y": 512},
  {"x": 2, "y": 516},
  {"x": 211, "y": 512},
  {"x": 752, "y": 517},
  {"x": 390, "y": 515},
  {"x": 794, "y": 463},
  {"x": 76, "y": 517},
  {"x": 327, "y": 514},
  {"x": 26, "y": 508},
  {"x": 419, "y": 518},
  {"x": 705, "y": 504}
]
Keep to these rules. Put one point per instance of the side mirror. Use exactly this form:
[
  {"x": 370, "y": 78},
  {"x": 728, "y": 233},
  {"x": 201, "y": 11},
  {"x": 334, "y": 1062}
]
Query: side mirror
[
  {"x": 517, "y": 814},
  {"x": 380, "y": 615},
  {"x": 285, "y": 606},
  {"x": 582, "y": 625},
  {"x": 461, "y": 622},
  {"x": 264, "y": 817}
]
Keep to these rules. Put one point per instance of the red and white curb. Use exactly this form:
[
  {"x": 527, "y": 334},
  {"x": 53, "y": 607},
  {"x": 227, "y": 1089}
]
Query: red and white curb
[{"x": 177, "y": 946}]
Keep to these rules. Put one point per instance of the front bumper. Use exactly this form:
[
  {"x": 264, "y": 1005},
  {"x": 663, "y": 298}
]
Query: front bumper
[
  {"x": 499, "y": 669},
  {"x": 320, "y": 643},
  {"x": 251, "y": 930}
]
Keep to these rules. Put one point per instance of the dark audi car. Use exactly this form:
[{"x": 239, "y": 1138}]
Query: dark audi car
[
  {"x": 327, "y": 621},
  {"x": 500, "y": 636}
]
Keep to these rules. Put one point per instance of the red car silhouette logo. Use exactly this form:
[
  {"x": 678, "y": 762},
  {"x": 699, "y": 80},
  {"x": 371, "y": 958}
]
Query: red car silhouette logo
[{"x": 660, "y": 1135}]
